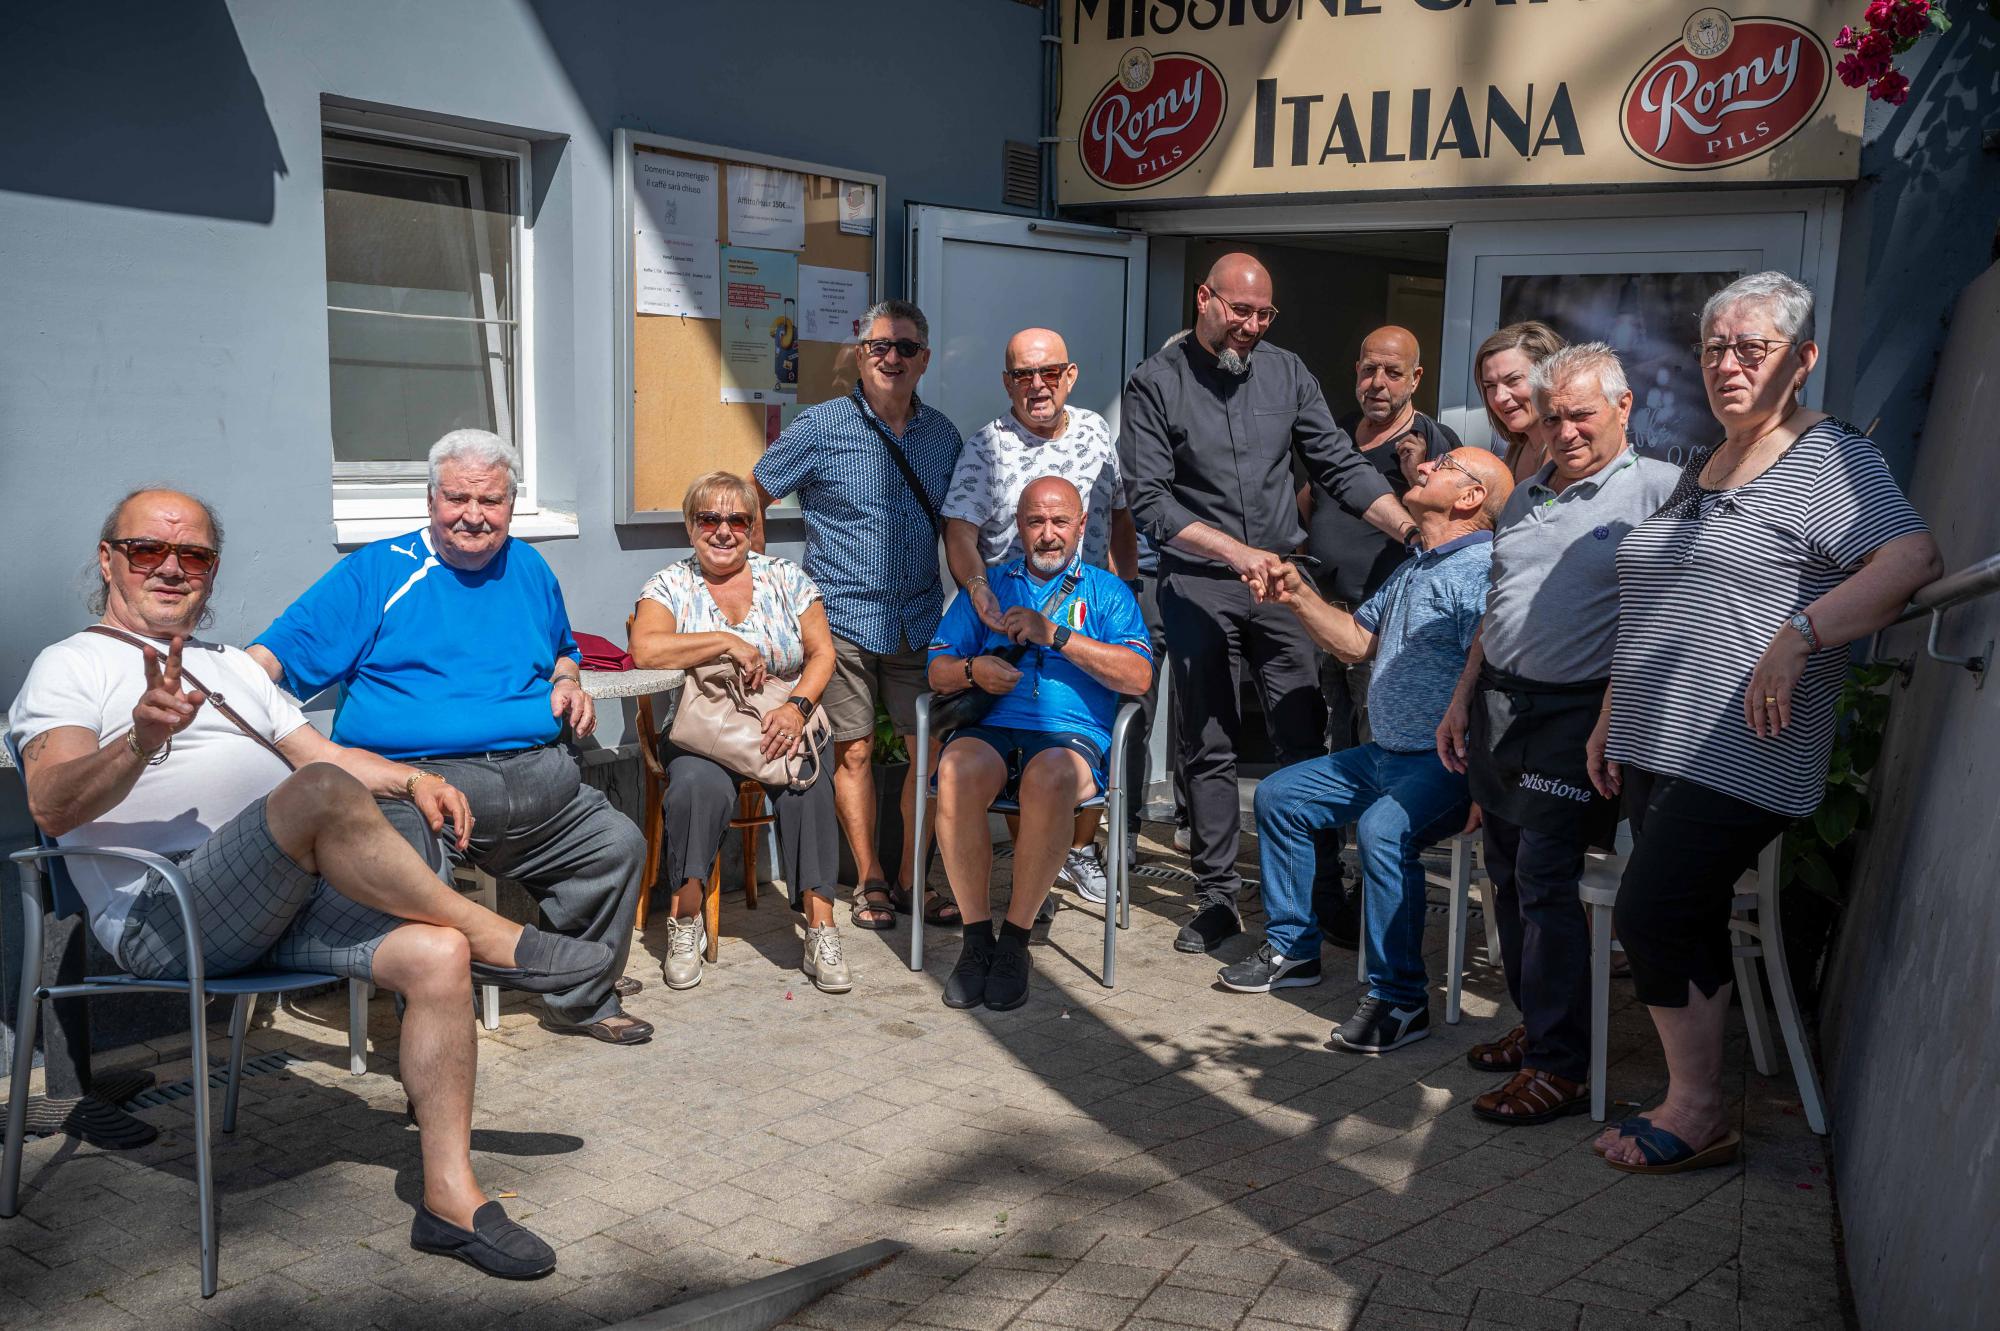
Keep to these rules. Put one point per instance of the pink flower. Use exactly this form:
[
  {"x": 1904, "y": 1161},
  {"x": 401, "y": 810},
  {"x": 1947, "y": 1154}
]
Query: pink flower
[
  {"x": 1875, "y": 46},
  {"x": 1912, "y": 17},
  {"x": 1845, "y": 41},
  {"x": 1893, "y": 88},
  {"x": 1880, "y": 13},
  {"x": 1851, "y": 71}
]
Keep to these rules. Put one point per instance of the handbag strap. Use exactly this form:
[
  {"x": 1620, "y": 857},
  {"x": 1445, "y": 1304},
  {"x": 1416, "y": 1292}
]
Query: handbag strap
[
  {"x": 221, "y": 703},
  {"x": 902, "y": 464}
]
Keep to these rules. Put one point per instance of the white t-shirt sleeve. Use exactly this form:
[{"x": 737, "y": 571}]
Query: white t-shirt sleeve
[
  {"x": 65, "y": 687},
  {"x": 970, "y": 497}
]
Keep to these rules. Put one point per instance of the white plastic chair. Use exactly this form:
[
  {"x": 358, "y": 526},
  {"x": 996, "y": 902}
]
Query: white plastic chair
[
  {"x": 1458, "y": 882},
  {"x": 1755, "y": 917},
  {"x": 1118, "y": 897}
]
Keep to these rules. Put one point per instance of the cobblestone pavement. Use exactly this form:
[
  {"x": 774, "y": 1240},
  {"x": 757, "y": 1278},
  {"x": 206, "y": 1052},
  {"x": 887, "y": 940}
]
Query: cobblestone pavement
[{"x": 1161, "y": 1155}]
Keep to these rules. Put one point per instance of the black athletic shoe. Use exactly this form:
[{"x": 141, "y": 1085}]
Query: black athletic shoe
[
  {"x": 1378, "y": 1026},
  {"x": 496, "y": 1245},
  {"x": 1212, "y": 924},
  {"x": 967, "y": 985},
  {"x": 1007, "y": 981},
  {"x": 1264, "y": 970}
]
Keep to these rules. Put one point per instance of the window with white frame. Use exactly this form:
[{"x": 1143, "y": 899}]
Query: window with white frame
[{"x": 426, "y": 326}]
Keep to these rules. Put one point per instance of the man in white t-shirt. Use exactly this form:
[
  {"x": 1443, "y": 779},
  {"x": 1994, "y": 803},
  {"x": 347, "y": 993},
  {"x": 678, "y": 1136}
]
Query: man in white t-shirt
[
  {"x": 1039, "y": 435},
  {"x": 135, "y": 734}
]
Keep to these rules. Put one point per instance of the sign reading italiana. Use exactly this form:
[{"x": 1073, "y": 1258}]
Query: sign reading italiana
[{"x": 1190, "y": 99}]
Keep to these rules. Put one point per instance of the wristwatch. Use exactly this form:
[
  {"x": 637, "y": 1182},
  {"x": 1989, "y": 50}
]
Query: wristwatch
[
  {"x": 1803, "y": 623},
  {"x": 1061, "y": 638},
  {"x": 805, "y": 705}
]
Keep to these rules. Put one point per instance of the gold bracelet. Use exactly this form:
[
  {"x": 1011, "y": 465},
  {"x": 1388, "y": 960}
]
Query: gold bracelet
[
  {"x": 410, "y": 785},
  {"x": 153, "y": 759}
]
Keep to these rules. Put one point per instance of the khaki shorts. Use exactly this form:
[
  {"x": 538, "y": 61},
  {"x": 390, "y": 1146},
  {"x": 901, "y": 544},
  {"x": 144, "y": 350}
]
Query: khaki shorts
[{"x": 859, "y": 676}]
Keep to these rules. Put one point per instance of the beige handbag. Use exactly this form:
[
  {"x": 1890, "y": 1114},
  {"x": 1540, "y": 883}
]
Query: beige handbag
[{"x": 718, "y": 718}]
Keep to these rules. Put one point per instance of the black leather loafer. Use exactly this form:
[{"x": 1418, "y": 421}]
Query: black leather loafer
[
  {"x": 546, "y": 963},
  {"x": 496, "y": 1245}
]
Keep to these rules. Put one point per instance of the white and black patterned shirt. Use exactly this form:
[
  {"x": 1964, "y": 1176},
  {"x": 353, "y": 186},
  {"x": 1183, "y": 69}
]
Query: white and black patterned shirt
[
  {"x": 1000, "y": 460},
  {"x": 1705, "y": 583}
]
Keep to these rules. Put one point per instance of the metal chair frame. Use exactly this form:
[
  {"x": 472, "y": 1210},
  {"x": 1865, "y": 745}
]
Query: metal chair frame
[{"x": 1118, "y": 892}]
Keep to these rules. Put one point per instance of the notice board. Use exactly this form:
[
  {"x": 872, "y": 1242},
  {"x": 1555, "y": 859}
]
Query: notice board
[{"x": 672, "y": 422}]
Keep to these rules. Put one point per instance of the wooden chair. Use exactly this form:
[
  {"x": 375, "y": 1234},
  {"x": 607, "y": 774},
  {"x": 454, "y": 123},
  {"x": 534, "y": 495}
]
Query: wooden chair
[{"x": 752, "y": 813}]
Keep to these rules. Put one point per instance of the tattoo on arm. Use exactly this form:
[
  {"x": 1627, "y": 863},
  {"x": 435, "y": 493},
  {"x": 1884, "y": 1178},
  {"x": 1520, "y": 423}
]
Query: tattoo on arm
[{"x": 32, "y": 750}]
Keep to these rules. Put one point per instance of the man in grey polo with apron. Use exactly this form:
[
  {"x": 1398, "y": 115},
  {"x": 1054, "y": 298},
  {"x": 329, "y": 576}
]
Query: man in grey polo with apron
[{"x": 1523, "y": 712}]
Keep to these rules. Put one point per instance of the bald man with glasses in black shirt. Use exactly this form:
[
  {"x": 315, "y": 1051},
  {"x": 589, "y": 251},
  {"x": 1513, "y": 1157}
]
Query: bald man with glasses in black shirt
[{"x": 1211, "y": 426}]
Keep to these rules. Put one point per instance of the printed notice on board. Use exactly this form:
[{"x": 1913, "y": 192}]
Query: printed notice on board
[
  {"x": 857, "y": 208},
  {"x": 767, "y": 207},
  {"x": 676, "y": 196},
  {"x": 676, "y": 276},
  {"x": 831, "y": 303},
  {"x": 760, "y": 328}
]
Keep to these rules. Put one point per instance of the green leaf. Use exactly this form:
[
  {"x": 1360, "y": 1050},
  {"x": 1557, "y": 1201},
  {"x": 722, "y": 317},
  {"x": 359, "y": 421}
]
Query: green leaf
[
  {"x": 1834, "y": 820},
  {"x": 1872, "y": 676},
  {"x": 1864, "y": 750},
  {"x": 1813, "y": 871}
]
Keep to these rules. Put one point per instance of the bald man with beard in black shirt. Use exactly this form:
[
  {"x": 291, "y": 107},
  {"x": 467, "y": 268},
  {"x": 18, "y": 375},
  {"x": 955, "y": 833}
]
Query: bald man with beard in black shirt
[{"x": 1211, "y": 426}]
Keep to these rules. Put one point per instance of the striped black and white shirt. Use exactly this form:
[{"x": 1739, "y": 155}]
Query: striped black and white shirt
[{"x": 1705, "y": 583}]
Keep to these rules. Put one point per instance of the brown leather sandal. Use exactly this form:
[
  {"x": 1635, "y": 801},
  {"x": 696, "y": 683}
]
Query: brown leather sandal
[
  {"x": 1533, "y": 1096},
  {"x": 1501, "y": 1055}
]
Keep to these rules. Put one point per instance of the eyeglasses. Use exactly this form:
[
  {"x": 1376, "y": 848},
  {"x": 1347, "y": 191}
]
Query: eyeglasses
[
  {"x": 1450, "y": 463},
  {"x": 1749, "y": 351},
  {"x": 147, "y": 556},
  {"x": 1048, "y": 374},
  {"x": 708, "y": 520},
  {"x": 878, "y": 347},
  {"x": 1244, "y": 313}
]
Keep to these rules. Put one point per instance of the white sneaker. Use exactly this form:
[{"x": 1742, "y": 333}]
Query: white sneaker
[
  {"x": 824, "y": 961},
  {"x": 686, "y": 941},
  {"x": 1084, "y": 871},
  {"x": 1183, "y": 840}
]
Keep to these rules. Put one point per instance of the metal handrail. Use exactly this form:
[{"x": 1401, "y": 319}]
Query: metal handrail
[{"x": 1932, "y": 600}]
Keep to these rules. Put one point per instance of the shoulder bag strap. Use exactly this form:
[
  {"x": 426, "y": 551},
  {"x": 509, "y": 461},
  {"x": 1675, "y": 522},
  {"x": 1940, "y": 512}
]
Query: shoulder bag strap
[
  {"x": 903, "y": 465},
  {"x": 221, "y": 703}
]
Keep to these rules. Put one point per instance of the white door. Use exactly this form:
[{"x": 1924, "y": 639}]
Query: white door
[
  {"x": 982, "y": 277},
  {"x": 1636, "y": 283}
]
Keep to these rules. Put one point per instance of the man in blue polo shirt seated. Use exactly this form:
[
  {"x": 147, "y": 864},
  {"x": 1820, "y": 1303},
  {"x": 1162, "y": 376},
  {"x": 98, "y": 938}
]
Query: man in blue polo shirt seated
[
  {"x": 1044, "y": 740},
  {"x": 1398, "y": 796},
  {"x": 452, "y": 649}
]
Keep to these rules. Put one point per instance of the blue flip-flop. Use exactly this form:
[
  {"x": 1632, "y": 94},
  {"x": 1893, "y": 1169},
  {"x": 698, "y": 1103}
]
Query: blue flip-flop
[
  {"x": 1626, "y": 1127},
  {"x": 1667, "y": 1154}
]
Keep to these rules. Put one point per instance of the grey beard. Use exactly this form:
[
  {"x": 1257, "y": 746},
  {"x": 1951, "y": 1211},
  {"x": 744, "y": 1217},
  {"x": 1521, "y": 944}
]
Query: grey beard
[{"x": 1232, "y": 362}]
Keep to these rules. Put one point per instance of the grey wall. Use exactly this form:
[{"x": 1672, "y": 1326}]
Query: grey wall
[
  {"x": 163, "y": 263},
  {"x": 1909, "y": 1025}
]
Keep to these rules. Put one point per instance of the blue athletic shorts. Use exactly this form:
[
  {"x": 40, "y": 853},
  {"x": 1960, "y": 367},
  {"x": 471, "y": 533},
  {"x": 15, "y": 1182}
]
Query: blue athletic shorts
[{"x": 1018, "y": 748}]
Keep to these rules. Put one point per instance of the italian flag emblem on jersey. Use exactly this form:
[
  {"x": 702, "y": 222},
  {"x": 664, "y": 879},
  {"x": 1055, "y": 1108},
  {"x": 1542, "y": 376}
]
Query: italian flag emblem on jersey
[{"x": 1074, "y": 613}]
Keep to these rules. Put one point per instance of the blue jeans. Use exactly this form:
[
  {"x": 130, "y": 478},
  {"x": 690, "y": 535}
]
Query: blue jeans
[{"x": 1398, "y": 803}]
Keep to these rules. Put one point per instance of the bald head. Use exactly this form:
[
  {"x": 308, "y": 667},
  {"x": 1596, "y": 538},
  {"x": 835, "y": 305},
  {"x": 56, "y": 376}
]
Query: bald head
[
  {"x": 1233, "y": 309},
  {"x": 1050, "y": 522},
  {"x": 1462, "y": 491},
  {"x": 168, "y": 598},
  {"x": 1036, "y": 346},
  {"x": 1386, "y": 378},
  {"x": 1038, "y": 377}
]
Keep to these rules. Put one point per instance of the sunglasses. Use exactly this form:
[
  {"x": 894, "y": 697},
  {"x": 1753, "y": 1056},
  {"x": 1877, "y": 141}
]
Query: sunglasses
[
  {"x": 708, "y": 520},
  {"x": 147, "y": 556},
  {"x": 878, "y": 347},
  {"x": 1048, "y": 374}
]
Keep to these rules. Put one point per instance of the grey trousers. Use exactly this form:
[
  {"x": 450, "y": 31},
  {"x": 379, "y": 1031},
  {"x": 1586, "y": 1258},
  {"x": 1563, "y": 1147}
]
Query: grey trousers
[
  {"x": 536, "y": 822},
  {"x": 700, "y": 801}
]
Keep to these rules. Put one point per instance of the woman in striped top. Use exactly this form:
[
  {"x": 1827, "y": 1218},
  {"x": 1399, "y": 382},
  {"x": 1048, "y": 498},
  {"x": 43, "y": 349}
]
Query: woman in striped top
[{"x": 1783, "y": 544}]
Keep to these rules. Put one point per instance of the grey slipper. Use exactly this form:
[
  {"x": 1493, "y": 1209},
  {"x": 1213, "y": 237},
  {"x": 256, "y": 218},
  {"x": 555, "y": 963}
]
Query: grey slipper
[{"x": 546, "y": 963}]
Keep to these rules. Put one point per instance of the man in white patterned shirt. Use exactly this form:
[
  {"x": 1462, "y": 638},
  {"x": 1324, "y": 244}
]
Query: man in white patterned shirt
[{"x": 1039, "y": 435}]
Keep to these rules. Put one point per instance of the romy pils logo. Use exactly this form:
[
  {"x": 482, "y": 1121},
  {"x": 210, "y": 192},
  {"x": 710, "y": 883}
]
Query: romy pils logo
[
  {"x": 1152, "y": 120},
  {"x": 1729, "y": 89}
]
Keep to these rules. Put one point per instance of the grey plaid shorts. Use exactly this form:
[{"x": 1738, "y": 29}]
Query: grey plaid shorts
[{"x": 256, "y": 910}]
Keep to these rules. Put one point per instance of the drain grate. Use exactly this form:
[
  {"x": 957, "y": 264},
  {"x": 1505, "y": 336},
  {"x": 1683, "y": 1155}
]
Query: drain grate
[{"x": 263, "y": 1065}]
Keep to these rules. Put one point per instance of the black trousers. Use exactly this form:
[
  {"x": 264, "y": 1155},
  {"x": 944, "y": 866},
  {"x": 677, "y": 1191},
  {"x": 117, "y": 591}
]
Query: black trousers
[
  {"x": 1690, "y": 843},
  {"x": 1213, "y": 630},
  {"x": 1544, "y": 941},
  {"x": 1136, "y": 747}
]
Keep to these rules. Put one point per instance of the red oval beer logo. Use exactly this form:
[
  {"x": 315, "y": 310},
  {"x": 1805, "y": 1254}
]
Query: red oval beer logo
[
  {"x": 1727, "y": 91},
  {"x": 1152, "y": 120}
]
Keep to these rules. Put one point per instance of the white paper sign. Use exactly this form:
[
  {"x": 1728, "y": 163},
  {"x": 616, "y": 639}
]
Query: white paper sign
[
  {"x": 767, "y": 208},
  {"x": 676, "y": 196},
  {"x": 831, "y": 303},
  {"x": 857, "y": 208},
  {"x": 677, "y": 276}
]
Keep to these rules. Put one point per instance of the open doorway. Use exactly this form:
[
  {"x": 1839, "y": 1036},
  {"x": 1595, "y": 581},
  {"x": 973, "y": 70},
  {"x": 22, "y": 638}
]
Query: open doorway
[{"x": 1332, "y": 290}]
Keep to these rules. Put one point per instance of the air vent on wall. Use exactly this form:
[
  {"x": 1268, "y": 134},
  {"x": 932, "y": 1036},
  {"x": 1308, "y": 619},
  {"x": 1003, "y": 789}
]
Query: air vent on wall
[{"x": 1020, "y": 175}]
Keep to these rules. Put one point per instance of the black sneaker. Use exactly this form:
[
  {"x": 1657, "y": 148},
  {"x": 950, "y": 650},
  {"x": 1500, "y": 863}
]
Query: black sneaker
[
  {"x": 1007, "y": 980},
  {"x": 1212, "y": 924},
  {"x": 967, "y": 985},
  {"x": 1264, "y": 970},
  {"x": 1378, "y": 1026}
]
